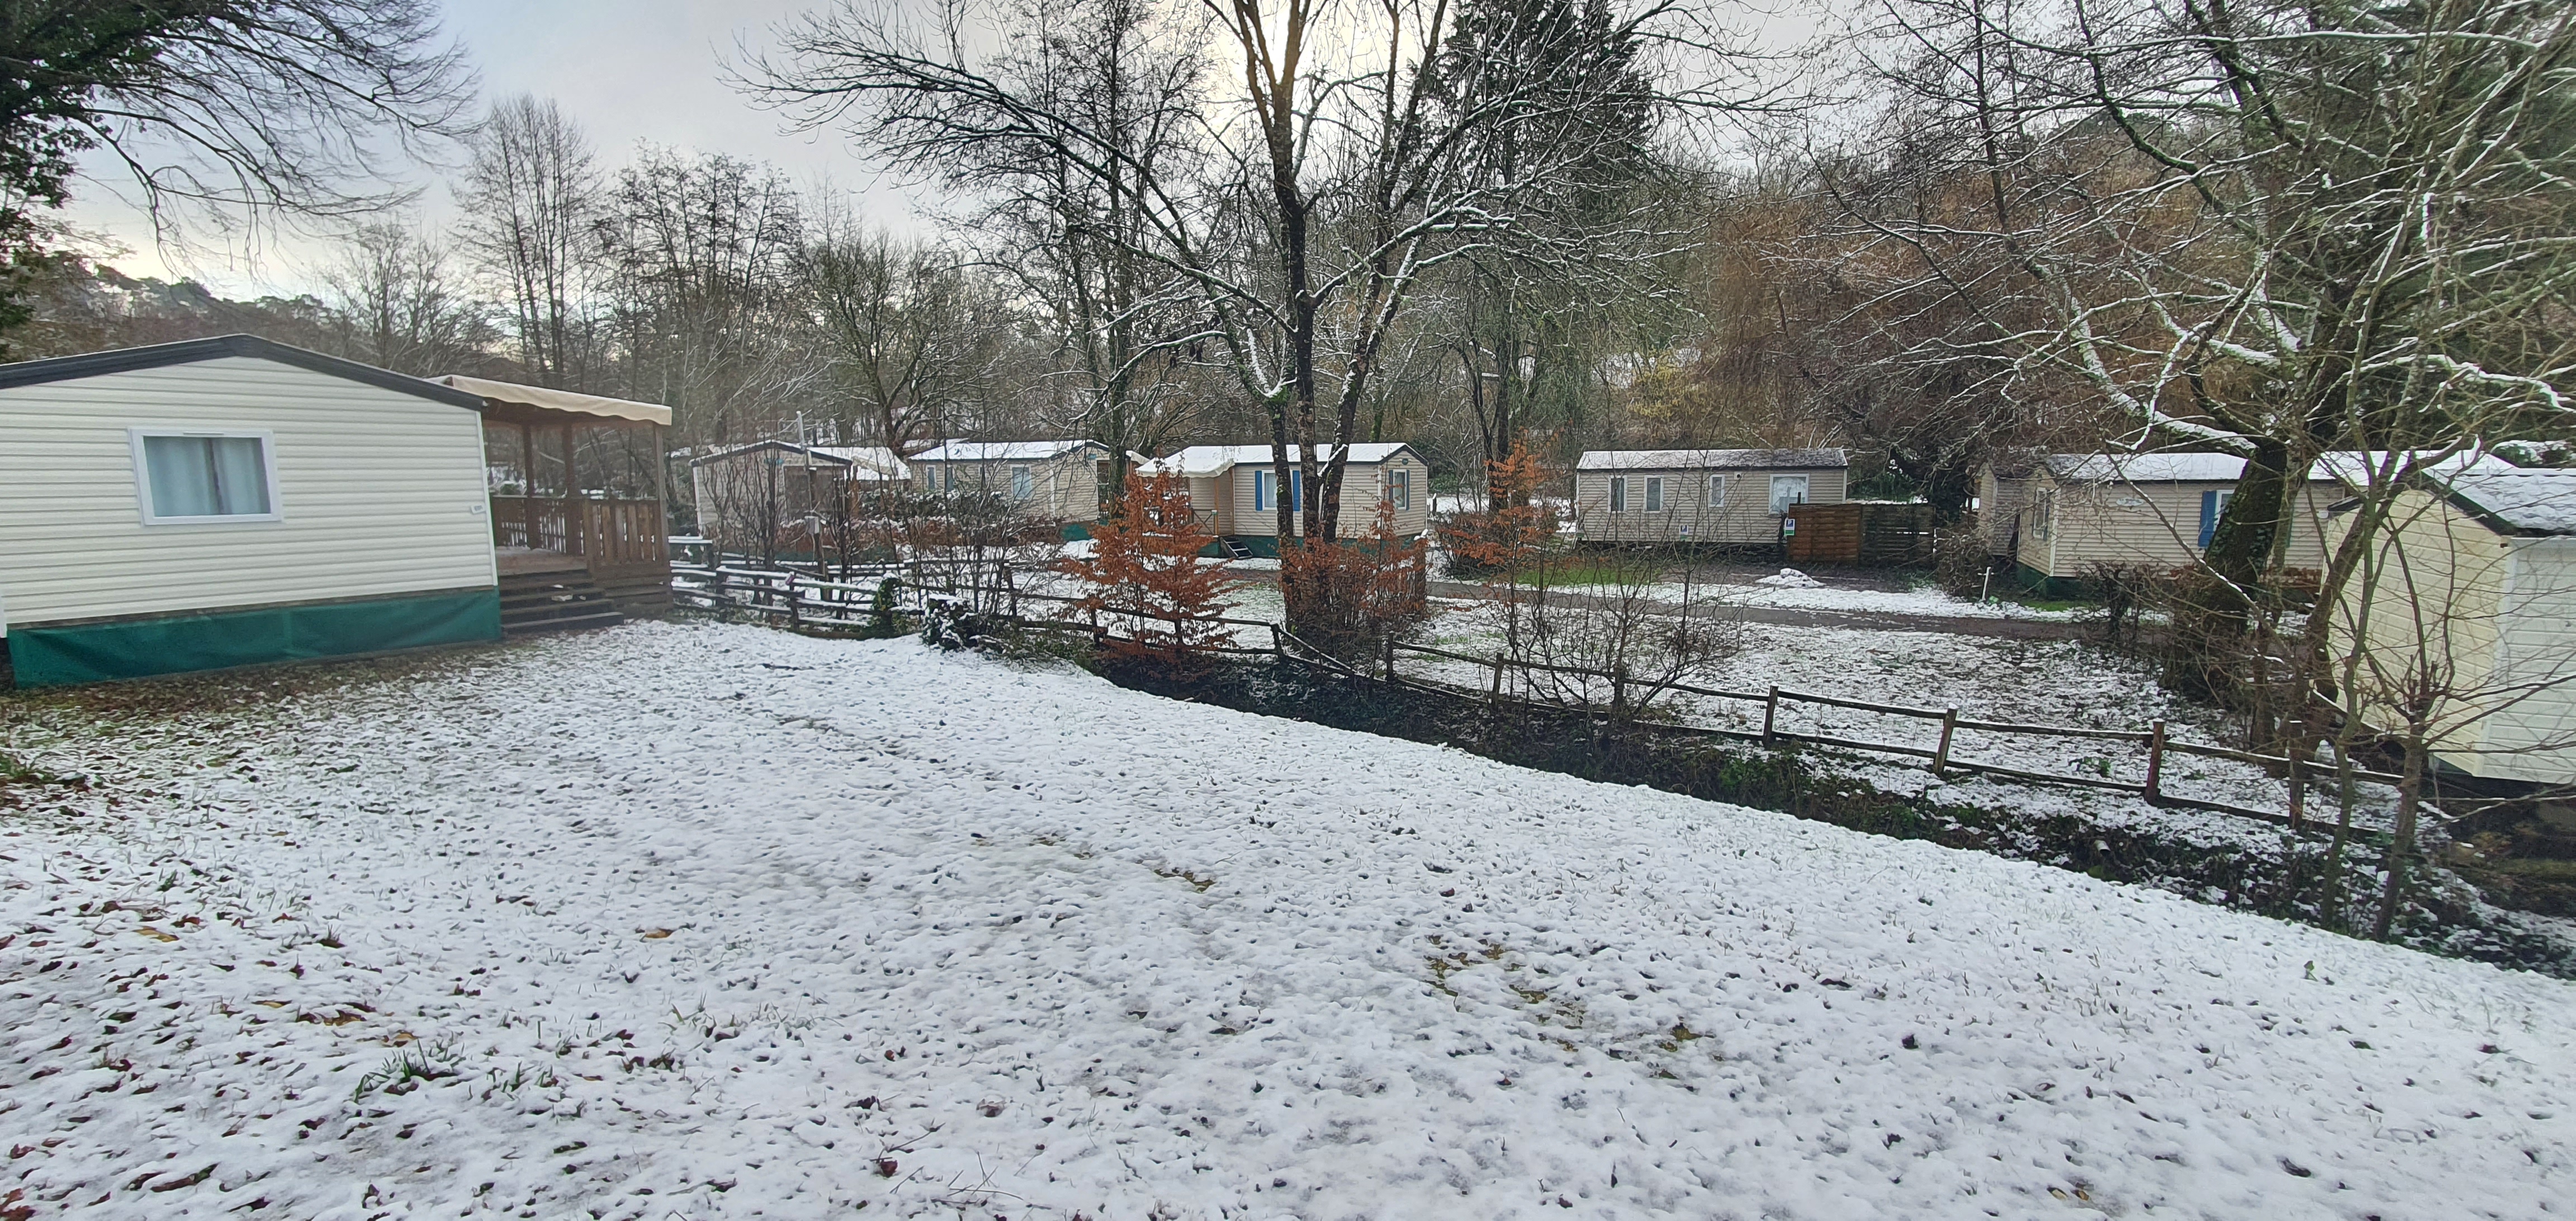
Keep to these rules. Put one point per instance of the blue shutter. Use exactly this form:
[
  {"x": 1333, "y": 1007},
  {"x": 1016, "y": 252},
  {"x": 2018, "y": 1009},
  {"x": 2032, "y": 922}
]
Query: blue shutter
[
  {"x": 2208, "y": 517},
  {"x": 1297, "y": 488},
  {"x": 1260, "y": 491}
]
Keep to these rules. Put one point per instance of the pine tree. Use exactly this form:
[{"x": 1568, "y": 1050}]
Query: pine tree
[{"x": 1146, "y": 566}]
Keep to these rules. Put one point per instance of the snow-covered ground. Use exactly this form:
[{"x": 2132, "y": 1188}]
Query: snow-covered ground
[
  {"x": 2030, "y": 682},
  {"x": 1796, "y": 589},
  {"x": 707, "y": 921}
]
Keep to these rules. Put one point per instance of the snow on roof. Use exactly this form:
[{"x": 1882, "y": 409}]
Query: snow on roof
[
  {"x": 998, "y": 451},
  {"x": 2349, "y": 467},
  {"x": 2146, "y": 468},
  {"x": 875, "y": 458},
  {"x": 1711, "y": 459},
  {"x": 1203, "y": 461},
  {"x": 2525, "y": 501}
]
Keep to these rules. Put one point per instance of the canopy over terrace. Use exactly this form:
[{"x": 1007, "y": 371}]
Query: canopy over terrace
[{"x": 572, "y": 511}]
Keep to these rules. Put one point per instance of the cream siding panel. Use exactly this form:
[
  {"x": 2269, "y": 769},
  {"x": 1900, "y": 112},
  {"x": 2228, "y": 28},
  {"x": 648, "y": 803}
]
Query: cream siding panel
[
  {"x": 1999, "y": 504},
  {"x": 1363, "y": 485},
  {"x": 1065, "y": 488},
  {"x": 381, "y": 493},
  {"x": 2534, "y": 739},
  {"x": 1745, "y": 519},
  {"x": 2494, "y": 612},
  {"x": 2152, "y": 524}
]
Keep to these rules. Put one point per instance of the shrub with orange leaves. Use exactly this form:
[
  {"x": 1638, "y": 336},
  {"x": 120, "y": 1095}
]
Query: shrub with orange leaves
[
  {"x": 1513, "y": 529},
  {"x": 1147, "y": 577},
  {"x": 1348, "y": 598}
]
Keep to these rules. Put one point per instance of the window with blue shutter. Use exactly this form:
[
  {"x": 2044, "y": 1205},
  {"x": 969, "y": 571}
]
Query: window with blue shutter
[{"x": 2213, "y": 503}]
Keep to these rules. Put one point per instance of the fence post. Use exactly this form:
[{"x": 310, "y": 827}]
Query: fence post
[
  {"x": 795, "y": 605},
  {"x": 722, "y": 598},
  {"x": 1495, "y": 696},
  {"x": 2155, "y": 763},
  {"x": 1390, "y": 658},
  {"x": 1941, "y": 755},
  {"x": 2298, "y": 794},
  {"x": 1770, "y": 710},
  {"x": 1278, "y": 647}
]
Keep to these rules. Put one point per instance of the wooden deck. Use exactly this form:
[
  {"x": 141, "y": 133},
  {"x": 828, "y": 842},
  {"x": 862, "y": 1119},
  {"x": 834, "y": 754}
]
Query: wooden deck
[{"x": 620, "y": 544}]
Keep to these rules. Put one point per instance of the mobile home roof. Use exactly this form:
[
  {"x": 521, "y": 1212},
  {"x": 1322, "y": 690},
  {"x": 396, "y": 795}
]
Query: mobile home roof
[{"x": 1711, "y": 459}]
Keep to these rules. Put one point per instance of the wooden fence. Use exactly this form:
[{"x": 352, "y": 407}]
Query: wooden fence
[
  {"x": 808, "y": 602},
  {"x": 1858, "y": 532}
]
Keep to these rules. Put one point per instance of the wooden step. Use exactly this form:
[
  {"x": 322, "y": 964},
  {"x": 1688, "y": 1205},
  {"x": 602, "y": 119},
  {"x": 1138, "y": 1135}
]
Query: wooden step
[{"x": 554, "y": 602}]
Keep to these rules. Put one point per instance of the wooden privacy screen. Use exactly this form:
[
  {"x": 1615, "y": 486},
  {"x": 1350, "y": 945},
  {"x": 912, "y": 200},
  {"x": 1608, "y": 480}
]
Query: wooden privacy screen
[{"x": 1857, "y": 532}]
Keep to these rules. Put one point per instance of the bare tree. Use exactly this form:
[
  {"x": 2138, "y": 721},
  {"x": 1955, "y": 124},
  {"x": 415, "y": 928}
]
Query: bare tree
[
  {"x": 1331, "y": 173},
  {"x": 532, "y": 207},
  {"x": 395, "y": 302},
  {"x": 700, "y": 252},
  {"x": 911, "y": 336}
]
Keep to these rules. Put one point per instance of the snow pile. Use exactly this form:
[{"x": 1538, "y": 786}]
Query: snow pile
[
  {"x": 711, "y": 921},
  {"x": 1789, "y": 578}
]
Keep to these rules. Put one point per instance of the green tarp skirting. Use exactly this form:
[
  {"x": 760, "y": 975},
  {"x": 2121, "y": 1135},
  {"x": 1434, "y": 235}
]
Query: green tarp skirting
[{"x": 138, "y": 648}]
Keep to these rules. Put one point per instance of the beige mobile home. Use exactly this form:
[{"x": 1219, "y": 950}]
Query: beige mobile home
[
  {"x": 2154, "y": 510},
  {"x": 2476, "y": 574},
  {"x": 1058, "y": 481},
  {"x": 233, "y": 501},
  {"x": 1236, "y": 490},
  {"x": 749, "y": 497},
  {"x": 2159, "y": 510},
  {"x": 1725, "y": 497}
]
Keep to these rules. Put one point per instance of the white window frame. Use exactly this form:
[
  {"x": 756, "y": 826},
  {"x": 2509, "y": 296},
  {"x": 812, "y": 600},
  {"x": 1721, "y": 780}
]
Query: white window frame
[
  {"x": 1399, "y": 487},
  {"x": 1806, "y": 486},
  {"x": 1654, "y": 493},
  {"x": 1024, "y": 482},
  {"x": 1265, "y": 490},
  {"x": 1618, "y": 493},
  {"x": 143, "y": 476},
  {"x": 1717, "y": 491}
]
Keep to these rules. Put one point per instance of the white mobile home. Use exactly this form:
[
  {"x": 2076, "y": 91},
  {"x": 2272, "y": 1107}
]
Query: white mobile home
[
  {"x": 1059, "y": 481},
  {"x": 1236, "y": 490},
  {"x": 2474, "y": 578},
  {"x": 2159, "y": 510},
  {"x": 1723, "y": 497},
  {"x": 233, "y": 501}
]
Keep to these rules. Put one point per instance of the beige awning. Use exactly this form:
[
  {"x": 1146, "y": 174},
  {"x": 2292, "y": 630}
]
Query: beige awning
[{"x": 557, "y": 400}]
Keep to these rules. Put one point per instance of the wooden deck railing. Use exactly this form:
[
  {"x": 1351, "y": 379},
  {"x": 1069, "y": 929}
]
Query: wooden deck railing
[{"x": 607, "y": 532}]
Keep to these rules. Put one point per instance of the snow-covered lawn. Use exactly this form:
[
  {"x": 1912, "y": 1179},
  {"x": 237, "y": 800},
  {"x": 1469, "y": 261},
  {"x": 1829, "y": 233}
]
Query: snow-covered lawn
[
  {"x": 704, "y": 921},
  {"x": 2042, "y": 682},
  {"x": 1797, "y": 589}
]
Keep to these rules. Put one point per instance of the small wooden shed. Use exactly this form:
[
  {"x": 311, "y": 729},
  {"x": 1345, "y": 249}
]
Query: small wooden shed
[
  {"x": 1054, "y": 481},
  {"x": 1235, "y": 490},
  {"x": 1721, "y": 497},
  {"x": 2473, "y": 579},
  {"x": 233, "y": 501}
]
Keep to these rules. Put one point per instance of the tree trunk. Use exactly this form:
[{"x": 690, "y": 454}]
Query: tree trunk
[{"x": 2401, "y": 846}]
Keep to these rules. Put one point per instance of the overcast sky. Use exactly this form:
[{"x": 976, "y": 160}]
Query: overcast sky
[{"x": 627, "y": 70}]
